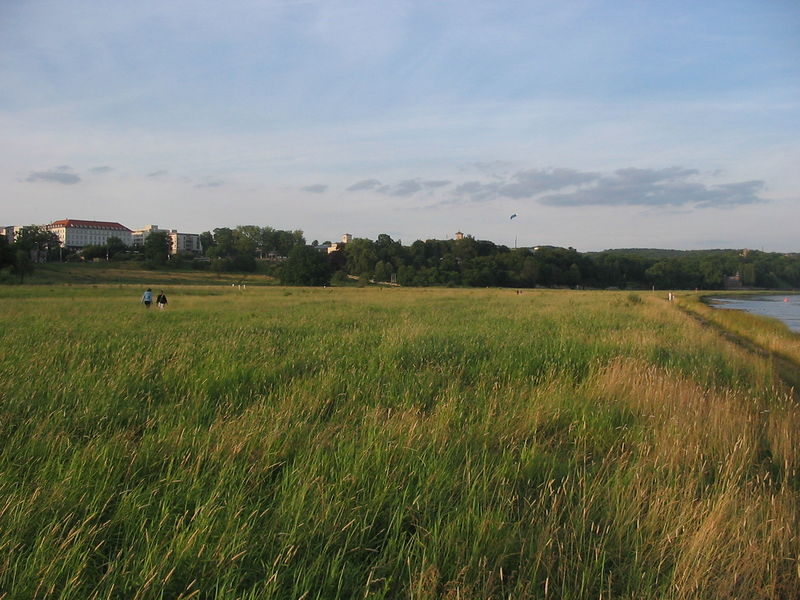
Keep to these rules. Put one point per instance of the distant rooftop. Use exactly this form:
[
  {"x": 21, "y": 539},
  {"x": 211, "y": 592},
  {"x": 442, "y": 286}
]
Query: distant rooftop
[{"x": 95, "y": 224}]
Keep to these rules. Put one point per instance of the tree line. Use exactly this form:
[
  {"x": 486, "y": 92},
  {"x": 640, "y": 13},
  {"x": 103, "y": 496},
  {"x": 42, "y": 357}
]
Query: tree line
[
  {"x": 480, "y": 263},
  {"x": 466, "y": 262}
]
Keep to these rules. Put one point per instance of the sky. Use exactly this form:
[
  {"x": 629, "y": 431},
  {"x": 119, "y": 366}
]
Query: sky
[{"x": 600, "y": 124}]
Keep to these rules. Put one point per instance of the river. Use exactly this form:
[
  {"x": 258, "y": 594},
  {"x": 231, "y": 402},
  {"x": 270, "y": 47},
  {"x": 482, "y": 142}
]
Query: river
[{"x": 785, "y": 308}]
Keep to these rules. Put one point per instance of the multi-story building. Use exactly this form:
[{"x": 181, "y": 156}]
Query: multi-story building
[
  {"x": 185, "y": 242},
  {"x": 10, "y": 232},
  {"x": 140, "y": 235},
  {"x": 76, "y": 233},
  {"x": 179, "y": 242}
]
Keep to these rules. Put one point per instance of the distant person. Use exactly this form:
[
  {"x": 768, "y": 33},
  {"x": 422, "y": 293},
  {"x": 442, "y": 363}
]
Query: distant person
[
  {"x": 161, "y": 301},
  {"x": 147, "y": 298}
]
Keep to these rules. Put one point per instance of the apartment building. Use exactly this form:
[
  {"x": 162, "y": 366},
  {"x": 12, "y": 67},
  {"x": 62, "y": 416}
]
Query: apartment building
[
  {"x": 185, "y": 242},
  {"x": 179, "y": 242},
  {"x": 138, "y": 236},
  {"x": 77, "y": 233}
]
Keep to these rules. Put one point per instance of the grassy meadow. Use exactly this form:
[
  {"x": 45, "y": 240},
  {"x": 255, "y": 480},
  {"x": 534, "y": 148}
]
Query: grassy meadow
[
  {"x": 388, "y": 443},
  {"x": 102, "y": 272}
]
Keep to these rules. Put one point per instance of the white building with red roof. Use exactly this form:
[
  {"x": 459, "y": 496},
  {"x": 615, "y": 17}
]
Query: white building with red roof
[{"x": 76, "y": 233}]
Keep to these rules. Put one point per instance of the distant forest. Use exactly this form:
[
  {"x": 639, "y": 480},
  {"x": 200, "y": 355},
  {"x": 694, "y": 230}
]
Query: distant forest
[
  {"x": 480, "y": 263},
  {"x": 463, "y": 262}
]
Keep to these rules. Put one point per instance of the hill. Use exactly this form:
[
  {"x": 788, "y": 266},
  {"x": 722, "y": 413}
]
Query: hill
[{"x": 135, "y": 273}]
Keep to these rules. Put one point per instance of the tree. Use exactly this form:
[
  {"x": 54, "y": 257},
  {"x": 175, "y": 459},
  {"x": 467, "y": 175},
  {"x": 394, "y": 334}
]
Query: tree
[
  {"x": 6, "y": 253},
  {"x": 529, "y": 274},
  {"x": 361, "y": 257},
  {"x": 573, "y": 275},
  {"x": 23, "y": 265},
  {"x": 40, "y": 243},
  {"x": 91, "y": 252},
  {"x": 156, "y": 247},
  {"x": 382, "y": 271},
  {"x": 206, "y": 241},
  {"x": 224, "y": 243},
  {"x": 114, "y": 245},
  {"x": 748, "y": 274},
  {"x": 305, "y": 266},
  {"x": 286, "y": 240}
]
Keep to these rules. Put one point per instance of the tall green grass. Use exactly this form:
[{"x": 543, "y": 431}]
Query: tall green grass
[
  {"x": 769, "y": 334},
  {"x": 343, "y": 443}
]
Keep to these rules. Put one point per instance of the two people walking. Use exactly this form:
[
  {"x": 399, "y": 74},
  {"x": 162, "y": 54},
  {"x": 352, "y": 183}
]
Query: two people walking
[{"x": 161, "y": 300}]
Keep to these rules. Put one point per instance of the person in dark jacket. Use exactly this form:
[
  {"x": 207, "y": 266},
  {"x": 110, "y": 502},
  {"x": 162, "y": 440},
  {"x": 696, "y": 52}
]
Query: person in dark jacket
[{"x": 161, "y": 300}]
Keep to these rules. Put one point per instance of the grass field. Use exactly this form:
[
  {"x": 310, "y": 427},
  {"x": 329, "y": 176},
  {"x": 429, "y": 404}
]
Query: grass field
[
  {"x": 100, "y": 273},
  {"x": 388, "y": 443}
]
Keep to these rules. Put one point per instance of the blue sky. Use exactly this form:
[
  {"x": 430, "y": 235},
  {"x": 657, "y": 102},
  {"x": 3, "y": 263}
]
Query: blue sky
[{"x": 601, "y": 124}]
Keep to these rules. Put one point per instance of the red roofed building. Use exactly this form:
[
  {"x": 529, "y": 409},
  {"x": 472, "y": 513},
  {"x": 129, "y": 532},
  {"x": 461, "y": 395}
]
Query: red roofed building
[{"x": 76, "y": 233}]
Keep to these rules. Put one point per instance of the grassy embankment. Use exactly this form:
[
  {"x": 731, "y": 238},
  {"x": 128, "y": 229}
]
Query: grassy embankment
[
  {"x": 348, "y": 443},
  {"x": 769, "y": 334},
  {"x": 135, "y": 273}
]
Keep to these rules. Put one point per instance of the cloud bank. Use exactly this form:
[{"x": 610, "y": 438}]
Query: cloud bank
[
  {"x": 405, "y": 188},
  {"x": 667, "y": 187},
  {"x": 364, "y": 185},
  {"x": 57, "y": 175},
  {"x": 210, "y": 184},
  {"x": 317, "y": 188}
]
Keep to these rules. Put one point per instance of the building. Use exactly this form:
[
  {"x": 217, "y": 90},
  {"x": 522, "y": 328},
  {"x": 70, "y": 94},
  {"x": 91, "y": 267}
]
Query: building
[
  {"x": 459, "y": 235},
  {"x": 10, "y": 232},
  {"x": 185, "y": 242},
  {"x": 335, "y": 247},
  {"x": 140, "y": 235},
  {"x": 179, "y": 242},
  {"x": 76, "y": 233}
]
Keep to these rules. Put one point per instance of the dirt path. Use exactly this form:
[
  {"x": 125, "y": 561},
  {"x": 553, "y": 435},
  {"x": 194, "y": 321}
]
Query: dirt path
[{"x": 787, "y": 370}]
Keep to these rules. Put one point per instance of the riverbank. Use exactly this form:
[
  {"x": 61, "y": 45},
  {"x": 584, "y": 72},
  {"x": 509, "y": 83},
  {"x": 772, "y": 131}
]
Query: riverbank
[
  {"x": 767, "y": 334},
  {"x": 784, "y": 307}
]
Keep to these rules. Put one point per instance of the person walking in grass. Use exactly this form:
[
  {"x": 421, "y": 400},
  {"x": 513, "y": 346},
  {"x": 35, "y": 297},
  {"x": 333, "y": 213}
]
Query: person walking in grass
[
  {"x": 161, "y": 301},
  {"x": 147, "y": 298}
]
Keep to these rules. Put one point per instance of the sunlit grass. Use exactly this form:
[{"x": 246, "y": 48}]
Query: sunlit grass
[
  {"x": 341, "y": 443},
  {"x": 769, "y": 334},
  {"x": 138, "y": 273}
]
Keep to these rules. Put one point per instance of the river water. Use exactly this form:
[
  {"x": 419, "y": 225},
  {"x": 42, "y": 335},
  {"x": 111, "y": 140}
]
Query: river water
[{"x": 781, "y": 307}]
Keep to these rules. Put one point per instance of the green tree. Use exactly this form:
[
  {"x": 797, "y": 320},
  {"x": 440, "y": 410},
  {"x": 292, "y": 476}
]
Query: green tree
[
  {"x": 206, "y": 241},
  {"x": 156, "y": 247},
  {"x": 305, "y": 266},
  {"x": 114, "y": 245},
  {"x": 361, "y": 257},
  {"x": 40, "y": 243},
  {"x": 224, "y": 243},
  {"x": 529, "y": 274},
  {"x": 91, "y": 252},
  {"x": 573, "y": 275},
  {"x": 6, "y": 253},
  {"x": 284, "y": 241},
  {"x": 748, "y": 274},
  {"x": 382, "y": 271},
  {"x": 23, "y": 265}
]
